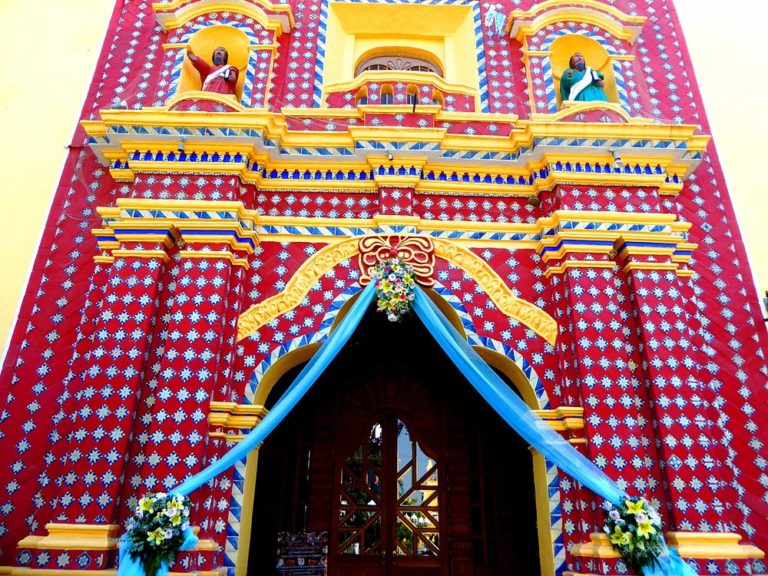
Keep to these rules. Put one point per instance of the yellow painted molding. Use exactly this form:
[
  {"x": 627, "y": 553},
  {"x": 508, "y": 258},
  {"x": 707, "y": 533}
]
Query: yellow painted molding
[
  {"x": 210, "y": 254},
  {"x": 322, "y": 112},
  {"x": 275, "y": 128},
  {"x": 570, "y": 108},
  {"x": 101, "y": 259},
  {"x": 612, "y": 217},
  {"x": 298, "y": 286},
  {"x": 473, "y": 188},
  {"x": 159, "y": 254},
  {"x": 712, "y": 545},
  {"x": 487, "y": 278},
  {"x": 650, "y": 266},
  {"x": 563, "y": 418},
  {"x": 207, "y": 545},
  {"x": 396, "y": 180},
  {"x": 524, "y": 23},
  {"x": 568, "y": 264},
  {"x": 599, "y": 546},
  {"x": 396, "y": 220},
  {"x": 455, "y": 116},
  {"x": 239, "y": 416},
  {"x": 176, "y": 13},
  {"x": 143, "y": 204},
  {"x": 226, "y": 99},
  {"x": 369, "y": 186},
  {"x": 74, "y": 537}
]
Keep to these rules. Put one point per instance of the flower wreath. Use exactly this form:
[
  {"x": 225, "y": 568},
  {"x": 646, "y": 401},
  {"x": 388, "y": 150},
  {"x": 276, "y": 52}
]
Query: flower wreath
[
  {"x": 635, "y": 530},
  {"x": 395, "y": 288},
  {"x": 157, "y": 530}
]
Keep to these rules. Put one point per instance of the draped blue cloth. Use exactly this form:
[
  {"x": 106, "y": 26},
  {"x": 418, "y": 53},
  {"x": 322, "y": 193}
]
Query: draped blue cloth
[
  {"x": 490, "y": 386},
  {"x": 510, "y": 407},
  {"x": 669, "y": 564},
  {"x": 532, "y": 428},
  {"x": 295, "y": 392}
]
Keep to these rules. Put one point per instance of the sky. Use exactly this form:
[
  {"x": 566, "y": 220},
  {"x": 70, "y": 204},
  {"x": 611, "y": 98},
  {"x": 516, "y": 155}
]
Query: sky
[{"x": 728, "y": 48}]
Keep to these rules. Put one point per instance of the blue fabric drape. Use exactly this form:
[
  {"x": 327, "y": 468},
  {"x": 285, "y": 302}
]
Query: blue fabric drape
[
  {"x": 311, "y": 372},
  {"x": 532, "y": 428},
  {"x": 510, "y": 407},
  {"x": 295, "y": 392},
  {"x": 490, "y": 386},
  {"x": 669, "y": 564}
]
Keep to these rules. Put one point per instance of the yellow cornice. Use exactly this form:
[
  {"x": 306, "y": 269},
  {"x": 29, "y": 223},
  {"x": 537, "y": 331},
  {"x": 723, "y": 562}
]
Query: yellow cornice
[
  {"x": 563, "y": 418},
  {"x": 570, "y": 108},
  {"x": 299, "y": 185},
  {"x": 207, "y": 255},
  {"x": 63, "y": 536},
  {"x": 238, "y": 416},
  {"x": 142, "y": 204},
  {"x": 568, "y": 264},
  {"x": 615, "y": 217},
  {"x": 599, "y": 546},
  {"x": 225, "y": 99},
  {"x": 396, "y": 134},
  {"x": 274, "y": 127},
  {"x": 714, "y": 545},
  {"x": 473, "y": 188},
  {"x": 322, "y": 112},
  {"x": 176, "y": 13},
  {"x": 524, "y": 23}
]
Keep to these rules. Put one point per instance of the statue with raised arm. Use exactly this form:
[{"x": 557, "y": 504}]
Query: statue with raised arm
[
  {"x": 580, "y": 83},
  {"x": 220, "y": 77}
]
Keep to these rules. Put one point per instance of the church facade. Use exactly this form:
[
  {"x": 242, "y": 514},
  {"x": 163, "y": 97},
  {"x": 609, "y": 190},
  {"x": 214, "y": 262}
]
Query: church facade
[{"x": 203, "y": 244}]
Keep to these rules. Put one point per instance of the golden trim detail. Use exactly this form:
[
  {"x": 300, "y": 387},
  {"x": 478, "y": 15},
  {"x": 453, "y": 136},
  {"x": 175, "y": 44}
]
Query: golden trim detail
[
  {"x": 298, "y": 287},
  {"x": 599, "y": 546},
  {"x": 320, "y": 262},
  {"x": 563, "y": 418},
  {"x": 714, "y": 545},
  {"x": 487, "y": 278},
  {"x": 74, "y": 537}
]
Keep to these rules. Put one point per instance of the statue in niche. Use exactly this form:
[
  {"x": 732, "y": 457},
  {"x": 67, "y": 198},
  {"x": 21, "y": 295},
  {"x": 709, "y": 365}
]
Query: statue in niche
[
  {"x": 580, "y": 83},
  {"x": 220, "y": 77}
]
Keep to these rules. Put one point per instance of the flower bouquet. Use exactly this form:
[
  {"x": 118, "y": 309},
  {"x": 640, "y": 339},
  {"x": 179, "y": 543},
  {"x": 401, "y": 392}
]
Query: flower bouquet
[
  {"x": 635, "y": 530},
  {"x": 395, "y": 288},
  {"x": 157, "y": 530}
]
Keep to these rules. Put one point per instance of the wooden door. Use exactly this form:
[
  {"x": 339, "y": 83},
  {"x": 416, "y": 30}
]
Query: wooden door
[{"x": 387, "y": 504}]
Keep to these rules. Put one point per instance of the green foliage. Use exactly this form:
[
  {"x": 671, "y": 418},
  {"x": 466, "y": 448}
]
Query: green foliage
[
  {"x": 156, "y": 529},
  {"x": 635, "y": 530}
]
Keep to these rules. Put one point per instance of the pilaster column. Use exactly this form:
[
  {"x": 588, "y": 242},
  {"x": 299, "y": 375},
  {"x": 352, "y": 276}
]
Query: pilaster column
[
  {"x": 599, "y": 365},
  {"x": 105, "y": 388},
  {"x": 680, "y": 399},
  {"x": 397, "y": 179},
  {"x": 190, "y": 366}
]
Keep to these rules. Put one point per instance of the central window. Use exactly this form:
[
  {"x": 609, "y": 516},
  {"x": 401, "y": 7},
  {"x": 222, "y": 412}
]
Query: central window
[{"x": 401, "y": 62}]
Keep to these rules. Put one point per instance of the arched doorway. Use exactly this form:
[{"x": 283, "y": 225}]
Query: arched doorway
[{"x": 396, "y": 456}]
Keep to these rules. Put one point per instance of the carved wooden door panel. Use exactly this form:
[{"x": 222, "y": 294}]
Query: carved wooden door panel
[{"x": 387, "y": 505}]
